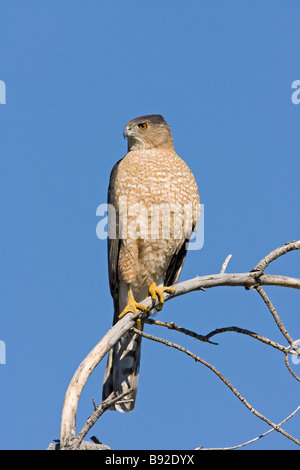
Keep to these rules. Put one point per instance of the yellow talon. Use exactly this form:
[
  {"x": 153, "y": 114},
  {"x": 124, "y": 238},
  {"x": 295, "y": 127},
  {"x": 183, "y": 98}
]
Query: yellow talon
[
  {"x": 134, "y": 307},
  {"x": 157, "y": 292}
]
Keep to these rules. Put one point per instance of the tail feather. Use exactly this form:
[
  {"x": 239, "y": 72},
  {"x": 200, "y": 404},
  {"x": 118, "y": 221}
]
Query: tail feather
[{"x": 122, "y": 371}]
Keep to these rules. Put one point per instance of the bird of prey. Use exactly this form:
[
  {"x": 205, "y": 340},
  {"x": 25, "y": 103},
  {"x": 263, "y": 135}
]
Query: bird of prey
[{"x": 153, "y": 209}]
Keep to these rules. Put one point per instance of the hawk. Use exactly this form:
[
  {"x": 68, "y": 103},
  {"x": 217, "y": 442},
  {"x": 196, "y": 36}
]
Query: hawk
[{"x": 153, "y": 209}]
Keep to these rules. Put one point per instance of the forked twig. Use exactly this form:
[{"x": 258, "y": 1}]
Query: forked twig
[
  {"x": 180, "y": 329},
  {"x": 99, "y": 410}
]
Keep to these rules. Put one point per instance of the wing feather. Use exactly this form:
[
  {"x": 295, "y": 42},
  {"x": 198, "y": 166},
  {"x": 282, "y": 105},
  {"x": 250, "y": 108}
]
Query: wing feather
[
  {"x": 176, "y": 263},
  {"x": 113, "y": 242}
]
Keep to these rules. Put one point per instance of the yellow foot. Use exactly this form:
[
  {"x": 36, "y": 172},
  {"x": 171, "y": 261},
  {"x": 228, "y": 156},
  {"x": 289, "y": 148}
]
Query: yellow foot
[
  {"x": 157, "y": 292},
  {"x": 133, "y": 307}
]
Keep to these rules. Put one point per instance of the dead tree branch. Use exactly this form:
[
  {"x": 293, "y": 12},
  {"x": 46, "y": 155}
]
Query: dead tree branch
[
  {"x": 224, "y": 380},
  {"x": 282, "y": 250},
  {"x": 276, "y": 317},
  {"x": 206, "y": 338},
  {"x": 253, "y": 279},
  {"x": 251, "y": 440},
  {"x": 224, "y": 265},
  {"x": 75, "y": 443}
]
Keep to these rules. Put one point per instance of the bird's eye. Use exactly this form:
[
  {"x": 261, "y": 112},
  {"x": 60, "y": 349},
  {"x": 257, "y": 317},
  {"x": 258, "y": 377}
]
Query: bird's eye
[{"x": 143, "y": 125}]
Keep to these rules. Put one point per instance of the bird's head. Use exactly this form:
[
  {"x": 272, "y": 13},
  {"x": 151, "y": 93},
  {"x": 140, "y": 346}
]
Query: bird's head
[{"x": 148, "y": 132}]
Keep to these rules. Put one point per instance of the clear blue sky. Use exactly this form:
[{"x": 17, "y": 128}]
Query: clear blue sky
[{"x": 75, "y": 73}]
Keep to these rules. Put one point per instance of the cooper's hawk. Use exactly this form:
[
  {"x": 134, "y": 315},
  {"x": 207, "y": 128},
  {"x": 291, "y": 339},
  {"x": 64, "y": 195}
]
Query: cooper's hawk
[{"x": 154, "y": 207}]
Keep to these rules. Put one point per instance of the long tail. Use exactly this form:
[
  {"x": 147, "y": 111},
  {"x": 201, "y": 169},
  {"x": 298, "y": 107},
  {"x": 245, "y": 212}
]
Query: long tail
[{"x": 122, "y": 371}]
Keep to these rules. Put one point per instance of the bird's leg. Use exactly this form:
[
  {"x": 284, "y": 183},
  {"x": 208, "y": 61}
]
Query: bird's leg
[
  {"x": 157, "y": 292},
  {"x": 134, "y": 307}
]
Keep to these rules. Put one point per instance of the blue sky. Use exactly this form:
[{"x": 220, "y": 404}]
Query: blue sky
[{"x": 221, "y": 75}]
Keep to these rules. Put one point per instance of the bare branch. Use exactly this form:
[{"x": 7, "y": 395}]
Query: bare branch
[
  {"x": 205, "y": 338},
  {"x": 224, "y": 265},
  {"x": 252, "y": 440},
  {"x": 248, "y": 280},
  {"x": 68, "y": 420},
  {"x": 224, "y": 380},
  {"x": 289, "y": 368},
  {"x": 172, "y": 326},
  {"x": 281, "y": 281},
  {"x": 75, "y": 443},
  {"x": 261, "y": 266},
  {"x": 232, "y": 280},
  {"x": 243, "y": 331},
  {"x": 276, "y": 317}
]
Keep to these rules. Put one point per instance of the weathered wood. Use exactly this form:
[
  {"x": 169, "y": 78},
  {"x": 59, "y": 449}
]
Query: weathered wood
[
  {"x": 68, "y": 420},
  {"x": 248, "y": 280}
]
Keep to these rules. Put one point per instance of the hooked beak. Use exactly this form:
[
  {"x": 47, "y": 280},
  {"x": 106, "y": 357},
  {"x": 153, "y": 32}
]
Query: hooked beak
[{"x": 127, "y": 132}]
